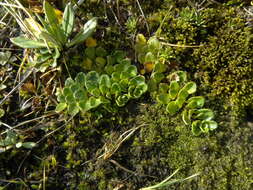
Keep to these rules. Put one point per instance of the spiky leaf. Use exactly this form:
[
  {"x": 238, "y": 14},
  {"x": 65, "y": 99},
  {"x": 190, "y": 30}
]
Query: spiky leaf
[
  {"x": 29, "y": 145},
  {"x": 87, "y": 30},
  {"x": 27, "y": 43},
  {"x": 68, "y": 20}
]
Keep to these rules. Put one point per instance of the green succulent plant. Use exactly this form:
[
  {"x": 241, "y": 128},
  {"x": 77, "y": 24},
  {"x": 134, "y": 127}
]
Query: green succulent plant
[
  {"x": 148, "y": 52},
  {"x": 12, "y": 140},
  {"x": 149, "y": 55},
  {"x": 53, "y": 36},
  {"x": 176, "y": 96},
  {"x": 91, "y": 90}
]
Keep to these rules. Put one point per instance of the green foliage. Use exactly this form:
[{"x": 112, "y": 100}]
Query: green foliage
[
  {"x": 2, "y": 112},
  {"x": 175, "y": 96},
  {"x": 93, "y": 89},
  {"x": 55, "y": 34},
  {"x": 95, "y": 58},
  {"x": 148, "y": 51},
  {"x": 12, "y": 140}
]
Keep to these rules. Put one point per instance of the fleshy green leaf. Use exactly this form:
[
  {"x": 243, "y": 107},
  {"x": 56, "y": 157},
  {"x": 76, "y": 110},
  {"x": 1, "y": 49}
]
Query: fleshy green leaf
[
  {"x": 163, "y": 88},
  {"x": 109, "y": 69},
  {"x": 140, "y": 39},
  {"x": 68, "y": 20},
  {"x": 11, "y": 138},
  {"x": 124, "y": 84},
  {"x": 75, "y": 87},
  {"x": 90, "y": 52},
  {"x": 163, "y": 98},
  {"x": 104, "y": 83},
  {"x": 172, "y": 108},
  {"x": 5, "y": 57},
  {"x": 152, "y": 85},
  {"x": 160, "y": 67},
  {"x": 73, "y": 109},
  {"x": 209, "y": 125},
  {"x": 186, "y": 116},
  {"x": 115, "y": 89},
  {"x": 182, "y": 96},
  {"x": 190, "y": 87},
  {"x": 121, "y": 67},
  {"x": 122, "y": 100},
  {"x": 195, "y": 102},
  {"x": 100, "y": 52},
  {"x": 60, "y": 107},
  {"x": 61, "y": 98},
  {"x": 87, "y": 30},
  {"x": 50, "y": 14},
  {"x": 174, "y": 89},
  {"x": 2, "y": 112},
  {"x": 93, "y": 102},
  {"x": 19, "y": 145},
  {"x": 196, "y": 127},
  {"x": 95, "y": 92},
  {"x": 67, "y": 91},
  {"x": 158, "y": 77},
  {"x": 153, "y": 44},
  {"x": 80, "y": 94},
  {"x": 137, "y": 91},
  {"x": 119, "y": 55},
  {"x": 115, "y": 76},
  {"x": 137, "y": 80},
  {"x": 100, "y": 61},
  {"x": 43, "y": 58},
  {"x": 149, "y": 57},
  {"x": 70, "y": 99},
  {"x": 130, "y": 72},
  {"x": 29, "y": 144},
  {"x": 91, "y": 81},
  {"x": 83, "y": 105},
  {"x": 69, "y": 82},
  {"x": 27, "y": 43},
  {"x": 80, "y": 78},
  {"x": 204, "y": 114}
]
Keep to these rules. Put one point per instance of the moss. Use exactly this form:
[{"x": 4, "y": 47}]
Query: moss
[
  {"x": 226, "y": 65},
  {"x": 223, "y": 157}
]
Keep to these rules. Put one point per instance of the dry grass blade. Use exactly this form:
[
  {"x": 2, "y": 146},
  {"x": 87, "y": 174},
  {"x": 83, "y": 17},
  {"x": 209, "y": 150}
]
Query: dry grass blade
[
  {"x": 168, "y": 181},
  {"x": 111, "y": 148},
  {"x": 14, "y": 8}
]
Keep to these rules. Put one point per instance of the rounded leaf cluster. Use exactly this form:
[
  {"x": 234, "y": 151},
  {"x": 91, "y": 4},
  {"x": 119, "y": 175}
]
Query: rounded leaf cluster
[
  {"x": 91, "y": 90},
  {"x": 176, "y": 94}
]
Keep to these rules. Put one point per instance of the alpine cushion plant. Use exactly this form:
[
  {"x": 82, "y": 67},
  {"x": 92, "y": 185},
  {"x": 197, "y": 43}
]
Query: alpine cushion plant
[
  {"x": 176, "y": 96},
  {"x": 92, "y": 90},
  {"x": 53, "y": 35}
]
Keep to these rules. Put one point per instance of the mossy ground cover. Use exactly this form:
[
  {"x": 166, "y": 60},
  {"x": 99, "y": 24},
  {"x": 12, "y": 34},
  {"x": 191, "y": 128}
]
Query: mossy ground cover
[{"x": 140, "y": 144}]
